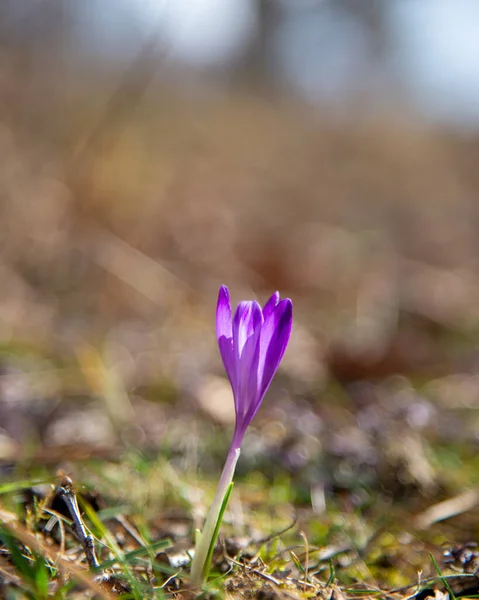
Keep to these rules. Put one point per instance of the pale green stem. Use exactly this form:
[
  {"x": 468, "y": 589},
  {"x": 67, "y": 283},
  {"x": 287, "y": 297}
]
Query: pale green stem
[{"x": 198, "y": 566}]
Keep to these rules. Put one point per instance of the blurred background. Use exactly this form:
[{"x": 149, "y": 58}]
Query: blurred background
[{"x": 152, "y": 150}]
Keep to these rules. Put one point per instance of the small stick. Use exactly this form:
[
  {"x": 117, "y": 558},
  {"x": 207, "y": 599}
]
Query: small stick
[
  {"x": 130, "y": 529},
  {"x": 86, "y": 540},
  {"x": 306, "y": 561},
  {"x": 275, "y": 535}
]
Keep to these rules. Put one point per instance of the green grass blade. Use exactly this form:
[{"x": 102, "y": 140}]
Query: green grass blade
[
  {"x": 442, "y": 578},
  {"x": 332, "y": 573},
  {"x": 209, "y": 556},
  {"x": 139, "y": 553},
  {"x": 41, "y": 577},
  {"x": 21, "y": 562},
  {"x": 15, "y": 486}
]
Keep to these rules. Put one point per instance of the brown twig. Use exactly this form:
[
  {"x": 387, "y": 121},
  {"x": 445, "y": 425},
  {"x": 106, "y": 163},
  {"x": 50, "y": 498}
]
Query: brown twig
[{"x": 86, "y": 540}]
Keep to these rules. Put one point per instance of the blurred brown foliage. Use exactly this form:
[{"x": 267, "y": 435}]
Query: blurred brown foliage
[{"x": 126, "y": 200}]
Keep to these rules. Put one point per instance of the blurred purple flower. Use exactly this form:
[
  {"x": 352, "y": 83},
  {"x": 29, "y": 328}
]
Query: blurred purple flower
[{"x": 251, "y": 346}]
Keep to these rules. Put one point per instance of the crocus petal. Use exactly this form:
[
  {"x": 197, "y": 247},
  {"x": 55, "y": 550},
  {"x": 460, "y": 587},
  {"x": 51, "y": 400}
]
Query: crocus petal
[
  {"x": 248, "y": 319},
  {"x": 224, "y": 333},
  {"x": 270, "y": 305},
  {"x": 226, "y": 350},
  {"x": 274, "y": 338},
  {"x": 223, "y": 314},
  {"x": 248, "y": 373},
  {"x": 275, "y": 335}
]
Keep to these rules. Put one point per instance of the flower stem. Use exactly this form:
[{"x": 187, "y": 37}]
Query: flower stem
[{"x": 199, "y": 566}]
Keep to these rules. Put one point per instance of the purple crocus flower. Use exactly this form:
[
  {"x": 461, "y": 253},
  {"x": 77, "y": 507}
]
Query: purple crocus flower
[{"x": 251, "y": 346}]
